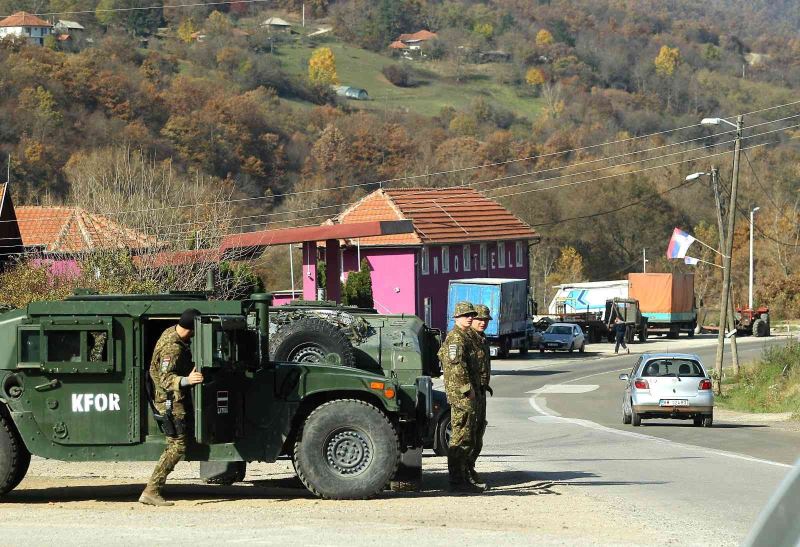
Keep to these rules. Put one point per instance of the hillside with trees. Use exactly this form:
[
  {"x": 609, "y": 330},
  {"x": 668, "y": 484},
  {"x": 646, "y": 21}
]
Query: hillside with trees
[{"x": 580, "y": 116}]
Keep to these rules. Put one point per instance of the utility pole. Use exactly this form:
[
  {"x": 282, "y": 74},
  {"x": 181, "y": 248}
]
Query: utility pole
[
  {"x": 8, "y": 172},
  {"x": 644, "y": 260},
  {"x": 731, "y": 323},
  {"x": 726, "y": 257}
]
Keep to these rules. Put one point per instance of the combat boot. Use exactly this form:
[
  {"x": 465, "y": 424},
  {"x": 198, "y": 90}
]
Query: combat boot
[
  {"x": 466, "y": 487},
  {"x": 151, "y": 496},
  {"x": 474, "y": 478}
]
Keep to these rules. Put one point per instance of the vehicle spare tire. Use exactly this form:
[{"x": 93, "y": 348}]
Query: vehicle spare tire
[
  {"x": 348, "y": 449},
  {"x": 311, "y": 340},
  {"x": 14, "y": 456}
]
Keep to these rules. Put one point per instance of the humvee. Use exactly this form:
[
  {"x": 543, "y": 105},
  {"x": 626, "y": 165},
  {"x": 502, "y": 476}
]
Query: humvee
[{"x": 349, "y": 407}]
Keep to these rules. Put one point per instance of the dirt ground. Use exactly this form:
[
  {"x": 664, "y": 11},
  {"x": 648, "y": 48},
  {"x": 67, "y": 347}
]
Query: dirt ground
[{"x": 80, "y": 503}]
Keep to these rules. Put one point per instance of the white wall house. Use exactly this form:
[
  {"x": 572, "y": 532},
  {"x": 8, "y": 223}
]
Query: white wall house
[{"x": 25, "y": 25}]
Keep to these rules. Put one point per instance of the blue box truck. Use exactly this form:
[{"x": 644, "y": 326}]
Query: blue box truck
[{"x": 512, "y": 318}]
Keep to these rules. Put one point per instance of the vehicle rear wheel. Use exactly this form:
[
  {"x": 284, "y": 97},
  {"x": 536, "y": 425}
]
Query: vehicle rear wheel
[
  {"x": 759, "y": 327},
  {"x": 348, "y": 449},
  {"x": 626, "y": 418},
  {"x": 312, "y": 340},
  {"x": 708, "y": 420},
  {"x": 14, "y": 456},
  {"x": 636, "y": 420},
  {"x": 443, "y": 431}
]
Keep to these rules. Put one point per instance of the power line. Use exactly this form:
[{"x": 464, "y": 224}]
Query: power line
[{"x": 144, "y": 8}]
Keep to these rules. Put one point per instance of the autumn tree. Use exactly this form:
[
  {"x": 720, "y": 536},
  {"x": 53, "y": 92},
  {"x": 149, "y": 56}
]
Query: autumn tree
[
  {"x": 667, "y": 60},
  {"x": 322, "y": 67},
  {"x": 544, "y": 38},
  {"x": 535, "y": 77},
  {"x": 568, "y": 268},
  {"x": 186, "y": 29}
]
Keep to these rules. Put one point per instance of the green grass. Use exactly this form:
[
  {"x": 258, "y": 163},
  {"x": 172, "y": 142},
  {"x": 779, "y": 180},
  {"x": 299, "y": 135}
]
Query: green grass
[
  {"x": 361, "y": 68},
  {"x": 770, "y": 385}
]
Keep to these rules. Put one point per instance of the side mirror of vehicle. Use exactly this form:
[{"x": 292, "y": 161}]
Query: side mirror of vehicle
[{"x": 624, "y": 377}]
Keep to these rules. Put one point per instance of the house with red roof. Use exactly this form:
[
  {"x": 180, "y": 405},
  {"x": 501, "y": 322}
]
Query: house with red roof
[
  {"x": 457, "y": 233},
  {"x": 405, "y": 44},
  {"x": 70, "y": 231},
  {"x": 25, "y": 25}
]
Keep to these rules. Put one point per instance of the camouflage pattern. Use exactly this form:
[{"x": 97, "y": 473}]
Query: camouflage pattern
[
  {"x": 98, "y": 341},
  {"x": 173, "y": 453},
  {"x": 460, "y": 378},
  {"x": 464, "y": 308},
  {"x": 172, "y": 360},
  {"x": 483, "y": 312},
  {"x": 483, "y": 361}
]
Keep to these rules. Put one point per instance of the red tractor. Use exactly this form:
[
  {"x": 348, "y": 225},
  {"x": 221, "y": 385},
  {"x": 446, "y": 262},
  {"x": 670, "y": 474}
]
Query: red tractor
[{"x": 755, "y": 322}]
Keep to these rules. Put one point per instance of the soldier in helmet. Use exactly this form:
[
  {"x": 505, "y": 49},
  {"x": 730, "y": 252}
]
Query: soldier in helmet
[
  {"x": 172, "y": 371},
  {"x": 461, "y": 384},
  {"x": 483, "y": 360}
]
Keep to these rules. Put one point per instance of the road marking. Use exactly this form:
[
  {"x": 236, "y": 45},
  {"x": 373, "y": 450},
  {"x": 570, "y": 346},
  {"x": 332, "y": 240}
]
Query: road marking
[
  {"x": 552, "y": 416},
  {"x": 566, "y": 388}
]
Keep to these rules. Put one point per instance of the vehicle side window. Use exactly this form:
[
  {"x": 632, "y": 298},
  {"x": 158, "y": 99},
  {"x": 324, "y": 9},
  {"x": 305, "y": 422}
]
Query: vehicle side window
[
  {"x": 64, "y": 346},
  {"x": 30, "y": 348}
]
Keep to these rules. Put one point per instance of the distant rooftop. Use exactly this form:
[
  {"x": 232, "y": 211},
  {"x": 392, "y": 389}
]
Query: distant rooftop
[{"x": 23, "y": 19}]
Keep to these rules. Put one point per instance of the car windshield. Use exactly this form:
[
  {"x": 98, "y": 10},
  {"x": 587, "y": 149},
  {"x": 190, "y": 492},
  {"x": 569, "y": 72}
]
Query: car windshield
[
  {"x": 672, "y": 368},
  {"x": 559, "y": 330}
]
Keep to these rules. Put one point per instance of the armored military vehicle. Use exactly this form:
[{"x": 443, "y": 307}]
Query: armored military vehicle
[{"x": 347, "y": 406}]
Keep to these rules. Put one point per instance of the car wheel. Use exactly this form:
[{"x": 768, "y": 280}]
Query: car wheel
[
  {"x": 444, "y": 430},
  {"x": 636, "y": 420},
  {"x": 708, "y": 421},
  {"x": 541, "y": 350},
  {"x": 583, "y": 347},
  {"x": 571, "y": 347},
  {"x": 348, "y": 449},
  {"x": 626, "y": 418}
]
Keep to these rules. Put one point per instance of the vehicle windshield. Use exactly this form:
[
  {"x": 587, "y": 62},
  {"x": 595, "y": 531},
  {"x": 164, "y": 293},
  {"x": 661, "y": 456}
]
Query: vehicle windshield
[
  {"x": 559, "y": 330},
  {"x": 672, "y": 368}
]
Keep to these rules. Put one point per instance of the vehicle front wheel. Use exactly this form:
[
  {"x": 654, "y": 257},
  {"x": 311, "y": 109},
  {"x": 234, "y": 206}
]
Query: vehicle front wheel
[
  {"x": 14, "y": 456},
  {"x": 626, "y": 418},
  {"x": 443, "y": 431},
  {"x": 571, "y": 347},
  {"x": 348, "y": 449},
  {"x": 636, "y": 420}
]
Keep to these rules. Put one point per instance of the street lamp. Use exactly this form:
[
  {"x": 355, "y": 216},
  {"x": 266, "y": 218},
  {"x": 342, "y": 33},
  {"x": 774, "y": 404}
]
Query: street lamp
[
  {"x": 726, "y": 257},
  {"x": 731, "y": 322},
  {"x": 750, "y": 292}
]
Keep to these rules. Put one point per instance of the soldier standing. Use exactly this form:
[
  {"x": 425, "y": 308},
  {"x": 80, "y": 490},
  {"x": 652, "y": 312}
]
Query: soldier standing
[
  {"x": 483, "y": 360},
  {"x": 461, "y": 384},
  {"x": 172, "y": 371}
]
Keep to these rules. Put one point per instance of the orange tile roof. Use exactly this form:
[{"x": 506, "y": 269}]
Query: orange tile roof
[
  {"x": 439, "y": 215},
  {"x": 23, "y": 19},
  {"x": 397, "y": 44},
  {"x": 420, "y": 35},
  {"x": 75, "y": 230}
]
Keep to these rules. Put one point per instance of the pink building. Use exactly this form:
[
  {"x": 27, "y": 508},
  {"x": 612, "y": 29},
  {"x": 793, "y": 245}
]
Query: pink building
[{"x": 458, "y": 233}]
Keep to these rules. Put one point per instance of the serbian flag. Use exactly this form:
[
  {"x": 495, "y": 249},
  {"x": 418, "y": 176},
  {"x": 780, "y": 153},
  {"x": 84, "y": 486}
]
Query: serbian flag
[
  {"x": 690, "y": 261},
  {"x": 679, "y": 244}
]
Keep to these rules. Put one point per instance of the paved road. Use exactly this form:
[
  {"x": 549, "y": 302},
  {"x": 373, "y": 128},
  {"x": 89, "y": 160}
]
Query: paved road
[{"x": 561, "y": 415}]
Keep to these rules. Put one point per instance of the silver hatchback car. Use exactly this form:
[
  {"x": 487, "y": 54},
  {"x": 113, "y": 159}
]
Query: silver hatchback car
[{"x": 668, "y": 385}]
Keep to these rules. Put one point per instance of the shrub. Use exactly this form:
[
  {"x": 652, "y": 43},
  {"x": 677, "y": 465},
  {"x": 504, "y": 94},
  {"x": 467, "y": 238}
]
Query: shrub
[
  {"x": 399, "y": 75},
  {"x": 357, "y": 290}
]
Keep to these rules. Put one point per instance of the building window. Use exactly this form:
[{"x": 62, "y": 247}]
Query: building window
[
  {"x": 435, "y": 265},
  {"x": 467, "y": 258},
  {"x": 501, "y": 254},
  {"x": 484, "y": 253},
  {"x": 445, "y": 259},
  {"x": 424, "y": 261},
  {"x": 520, "y": 253}
]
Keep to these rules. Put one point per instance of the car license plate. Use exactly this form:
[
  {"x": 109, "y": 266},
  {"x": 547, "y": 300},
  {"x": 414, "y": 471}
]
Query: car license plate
[
  {"x": 493, "y": 351},
  {"x": 552, "y": 345},
  {"x": 673, "y": 402}
]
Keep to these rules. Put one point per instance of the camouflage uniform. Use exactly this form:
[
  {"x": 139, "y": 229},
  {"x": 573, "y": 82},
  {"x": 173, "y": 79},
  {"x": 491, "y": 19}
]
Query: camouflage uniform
[
  {"x": 171, "y": 362},
  {"x": 97, "y": 353},
  {"x": 483, "y": 360},
  {"x": 460, "y": 377}
]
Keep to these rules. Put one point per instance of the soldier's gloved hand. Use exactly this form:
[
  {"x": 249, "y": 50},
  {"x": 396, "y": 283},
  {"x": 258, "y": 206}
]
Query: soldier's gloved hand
[{"x": 490, "y": 391}]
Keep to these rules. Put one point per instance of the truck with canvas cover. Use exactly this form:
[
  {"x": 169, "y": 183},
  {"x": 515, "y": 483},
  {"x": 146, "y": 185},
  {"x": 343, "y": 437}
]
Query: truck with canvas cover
[
  {"x": 512, "y": 311},
  {"x": 667, "y": 300},
  {"x": 351, "y": 415}
]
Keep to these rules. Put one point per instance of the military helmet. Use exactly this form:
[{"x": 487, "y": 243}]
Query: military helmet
[
  {"x": 483, "y": 312},
  {"x": 464, "y": 308}
]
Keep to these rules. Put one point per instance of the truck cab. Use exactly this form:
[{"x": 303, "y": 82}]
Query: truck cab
[{"x": 74, "y": 386}]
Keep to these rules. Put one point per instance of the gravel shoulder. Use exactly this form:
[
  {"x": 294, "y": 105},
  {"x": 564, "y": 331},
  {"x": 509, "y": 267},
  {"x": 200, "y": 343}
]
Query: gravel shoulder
[{"x": 80, "y": 503}]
